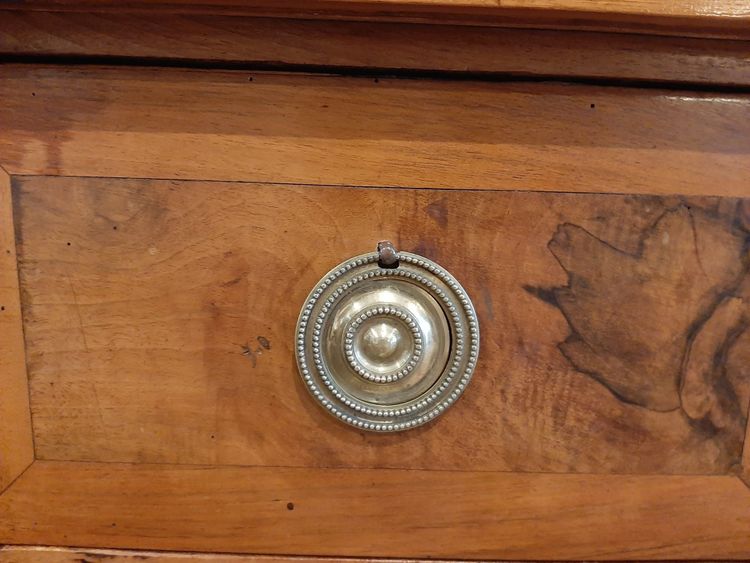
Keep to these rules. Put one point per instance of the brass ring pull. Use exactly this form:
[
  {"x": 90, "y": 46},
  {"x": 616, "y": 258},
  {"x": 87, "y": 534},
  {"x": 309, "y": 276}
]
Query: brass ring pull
[{"x": 387, "y": 341}]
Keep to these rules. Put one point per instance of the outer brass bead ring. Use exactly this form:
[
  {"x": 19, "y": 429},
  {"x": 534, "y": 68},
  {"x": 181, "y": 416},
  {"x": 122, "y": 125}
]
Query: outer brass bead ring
[{"x": 387, "y": 341}]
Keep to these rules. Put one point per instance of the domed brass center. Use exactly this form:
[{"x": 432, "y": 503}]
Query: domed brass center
[
  {"x": 380, "y": 341},
  {"x": 383, "y": 344}
]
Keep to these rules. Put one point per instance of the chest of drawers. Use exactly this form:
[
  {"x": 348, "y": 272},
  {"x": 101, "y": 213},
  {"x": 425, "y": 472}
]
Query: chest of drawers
[{"x": 168, "y": 202}]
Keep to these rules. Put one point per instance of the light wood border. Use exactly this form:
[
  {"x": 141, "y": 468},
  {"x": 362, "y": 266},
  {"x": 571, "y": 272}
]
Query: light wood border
[
  {"x": 16, "y": 442},
  {"x": 126, "y": 122},
  {"x": 378, "y": 513}
]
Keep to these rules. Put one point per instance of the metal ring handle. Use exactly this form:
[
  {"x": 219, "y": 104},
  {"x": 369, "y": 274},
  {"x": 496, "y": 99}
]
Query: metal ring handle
[{"x": 387, "y": 341}]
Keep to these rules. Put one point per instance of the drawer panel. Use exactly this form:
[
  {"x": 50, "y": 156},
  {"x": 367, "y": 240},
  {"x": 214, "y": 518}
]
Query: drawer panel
[
  {"x": 607, "y": 415},
  {"x": 160, "y": 317}
]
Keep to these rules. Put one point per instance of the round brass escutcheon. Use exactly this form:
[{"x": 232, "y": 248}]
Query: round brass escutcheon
[{"x": 387, "y": 341}]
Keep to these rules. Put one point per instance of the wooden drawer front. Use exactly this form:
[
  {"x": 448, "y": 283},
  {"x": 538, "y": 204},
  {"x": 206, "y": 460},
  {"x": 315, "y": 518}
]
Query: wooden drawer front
[
  {"x": 160, "y": 319},
  {"x": 607, "y": 415}
]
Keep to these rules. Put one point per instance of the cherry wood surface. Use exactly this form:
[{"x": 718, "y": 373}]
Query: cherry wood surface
[
  {"x": 16, "y": 450},
  {"x": 728, "y": 18},
  {"x": 165, "y": 219},
  {"x": 378, "y": 513},
  {"x": 33, "y": 554},
  {"x": 169, "y": 123},
  {"x": 160, "y": 319},
  {"x": 347, "y": 46},
  {"x": 41, "y": 554}
]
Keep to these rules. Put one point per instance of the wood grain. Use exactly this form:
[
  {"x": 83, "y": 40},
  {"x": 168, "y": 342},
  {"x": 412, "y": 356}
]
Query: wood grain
[
  {"x": 433, "y": 514},
  {"x": 145, "y": 297},
  {"x": 16, "y": 448},
  {"x": 678, "y": 17},
  {"x": 309, "y": 130},
  {"x": 377, "y": 46},
  {"x": 31, "y": 554}
]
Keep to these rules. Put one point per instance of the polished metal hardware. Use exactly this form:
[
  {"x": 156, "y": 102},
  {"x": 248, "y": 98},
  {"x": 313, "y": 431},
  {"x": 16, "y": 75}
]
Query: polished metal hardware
[
  {"x": 387, "y": 254},
  {"x": 386, "y": 341}
]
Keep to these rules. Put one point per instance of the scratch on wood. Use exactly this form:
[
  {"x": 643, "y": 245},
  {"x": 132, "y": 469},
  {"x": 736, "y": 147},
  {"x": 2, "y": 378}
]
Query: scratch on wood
[
  {"x": 252, "y": 352},
  {"x": 78, "y": 313}
]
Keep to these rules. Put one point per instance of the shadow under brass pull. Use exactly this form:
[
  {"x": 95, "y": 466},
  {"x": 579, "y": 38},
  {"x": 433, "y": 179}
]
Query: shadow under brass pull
[{"x": 387, "y": 341}]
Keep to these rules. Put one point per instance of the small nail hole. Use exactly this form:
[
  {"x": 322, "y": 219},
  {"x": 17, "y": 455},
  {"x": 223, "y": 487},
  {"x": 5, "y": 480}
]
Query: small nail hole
[
  {"x": 290, "y": 506},
  {"x": 67, "y": 243},
  {"x": 593, "y": 106}
]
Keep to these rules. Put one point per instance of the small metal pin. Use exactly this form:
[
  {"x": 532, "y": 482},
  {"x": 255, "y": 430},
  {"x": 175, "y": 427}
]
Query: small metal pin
[{"x": 387, "y": 254}]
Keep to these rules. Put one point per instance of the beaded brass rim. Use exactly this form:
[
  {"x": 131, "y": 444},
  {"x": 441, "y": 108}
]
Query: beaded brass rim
[{"x": 387, "y": 348}]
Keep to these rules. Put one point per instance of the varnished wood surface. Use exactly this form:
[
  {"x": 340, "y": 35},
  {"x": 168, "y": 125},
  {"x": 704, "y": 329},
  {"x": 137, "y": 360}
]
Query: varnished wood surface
[
  {"x": 32, "y": 554},
  {"x": 16, "y": 451},
  {"x": 309, "y": 130},
  {"x": 614, "y": 327},
  {"x": 687, "y": 17},
  {"x": 376, "y": 46},
  {"x": 378, "y": 513}
]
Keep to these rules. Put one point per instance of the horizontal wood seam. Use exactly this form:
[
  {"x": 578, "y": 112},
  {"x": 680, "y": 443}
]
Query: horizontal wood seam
[
  {"x": 346, "y": 185},
  {"x": 374, "y": 468},
  {"x": 365, "y": 72}
]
